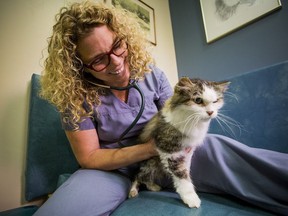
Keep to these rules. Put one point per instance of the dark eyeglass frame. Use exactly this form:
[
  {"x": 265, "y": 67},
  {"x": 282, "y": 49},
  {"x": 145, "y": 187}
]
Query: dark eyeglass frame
[{"x": 120, "y": 43}]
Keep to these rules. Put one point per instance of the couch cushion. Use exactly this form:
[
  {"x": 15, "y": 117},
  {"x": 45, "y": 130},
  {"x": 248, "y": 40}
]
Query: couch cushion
[
  {"x": 21, "y": 211},
  {"x": 169, "y": 203},
  {"x": 48, "y": 150},
  {"x": 260, "y": 109}
]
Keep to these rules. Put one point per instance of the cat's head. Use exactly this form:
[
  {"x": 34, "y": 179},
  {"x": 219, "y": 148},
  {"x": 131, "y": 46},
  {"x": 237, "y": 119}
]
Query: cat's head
[{"x": 202, "y": 97}]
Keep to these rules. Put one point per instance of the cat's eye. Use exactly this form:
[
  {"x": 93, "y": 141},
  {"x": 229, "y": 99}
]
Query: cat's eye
[
  {"x": 198, "y": 100},
  {"x": 216, "y": 101}
]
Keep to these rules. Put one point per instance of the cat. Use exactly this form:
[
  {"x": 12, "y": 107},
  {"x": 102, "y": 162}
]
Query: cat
[{"x": 178, "y": 129}]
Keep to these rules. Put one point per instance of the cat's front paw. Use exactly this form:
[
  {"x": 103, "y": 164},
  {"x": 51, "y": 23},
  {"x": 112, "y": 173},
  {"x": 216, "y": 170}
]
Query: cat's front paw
[
  {"x": 133, "y": 193},
  {"x": 192, "y": 200}
]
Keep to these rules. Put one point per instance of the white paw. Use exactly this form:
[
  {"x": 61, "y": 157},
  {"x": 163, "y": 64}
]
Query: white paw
[
  {"x": 133, "y": 193},
  {"x": 192, "y": 200}
]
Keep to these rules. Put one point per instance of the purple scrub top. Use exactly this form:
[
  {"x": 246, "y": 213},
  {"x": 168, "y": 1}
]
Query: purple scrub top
[{"x": 114, "y": 115}]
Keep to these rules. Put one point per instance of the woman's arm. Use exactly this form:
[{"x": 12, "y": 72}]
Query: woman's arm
[{"x": 86, "y": 148}]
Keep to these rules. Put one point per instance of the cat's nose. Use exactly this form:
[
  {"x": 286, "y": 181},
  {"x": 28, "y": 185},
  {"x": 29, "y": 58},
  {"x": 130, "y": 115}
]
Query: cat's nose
[{"x": 209, "y": 112}]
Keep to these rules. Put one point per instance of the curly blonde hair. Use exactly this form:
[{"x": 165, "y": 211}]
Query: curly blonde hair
[{"x": 61, "y": 82}]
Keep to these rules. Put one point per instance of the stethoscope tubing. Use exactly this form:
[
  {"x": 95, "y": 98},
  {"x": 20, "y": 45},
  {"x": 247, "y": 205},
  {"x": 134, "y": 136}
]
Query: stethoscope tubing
[
  {"x": 132, "y": 84},
  {"x": 136, "y": 86}
]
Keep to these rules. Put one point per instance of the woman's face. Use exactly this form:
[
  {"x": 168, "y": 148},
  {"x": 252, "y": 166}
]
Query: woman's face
[{"x": 97, "y": 43}]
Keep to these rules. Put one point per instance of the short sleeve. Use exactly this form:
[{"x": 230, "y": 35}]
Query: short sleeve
[
  {"x": 85, "y": 123},
  {"x": 164, "y": 89}
]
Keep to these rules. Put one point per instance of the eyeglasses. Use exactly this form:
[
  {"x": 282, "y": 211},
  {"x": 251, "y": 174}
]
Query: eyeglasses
[{"x": 102, "y": 61}]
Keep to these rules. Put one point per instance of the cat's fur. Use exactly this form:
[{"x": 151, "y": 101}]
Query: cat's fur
[{"x": 177, "y": 130}]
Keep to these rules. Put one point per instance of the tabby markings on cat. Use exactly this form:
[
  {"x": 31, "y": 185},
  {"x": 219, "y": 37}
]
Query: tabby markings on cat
[{"x": 178, "y": 129}]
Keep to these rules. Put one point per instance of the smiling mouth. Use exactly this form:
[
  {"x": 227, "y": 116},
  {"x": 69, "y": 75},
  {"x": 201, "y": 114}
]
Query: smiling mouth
[
  {"x": 114, "y": 72},
  {"x": 117, "y": 71}
]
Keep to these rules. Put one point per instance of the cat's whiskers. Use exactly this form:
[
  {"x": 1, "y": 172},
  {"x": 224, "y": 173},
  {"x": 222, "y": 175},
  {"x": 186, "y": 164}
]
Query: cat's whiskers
[
  {"x": 189, "y": 118},
  {"x": 180, "y": 122},
  {"x": 231, "y": 95},
  {"x": 186, "y": 118},
  {"x": 192, "y": 121},
  {"x": 229, "y": 123},
  {"x": 187, "y": 121}
]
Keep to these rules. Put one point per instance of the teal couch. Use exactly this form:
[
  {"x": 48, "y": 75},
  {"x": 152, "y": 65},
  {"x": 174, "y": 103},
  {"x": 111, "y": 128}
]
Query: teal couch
[{"x": 262, "y": 100}]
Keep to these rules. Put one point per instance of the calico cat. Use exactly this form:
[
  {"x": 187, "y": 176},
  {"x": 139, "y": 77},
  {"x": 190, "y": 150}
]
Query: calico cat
[{"x": 178, "y": 129}]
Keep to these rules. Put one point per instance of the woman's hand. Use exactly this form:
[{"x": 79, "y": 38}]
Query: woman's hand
[{"x": 152, "y": 147}]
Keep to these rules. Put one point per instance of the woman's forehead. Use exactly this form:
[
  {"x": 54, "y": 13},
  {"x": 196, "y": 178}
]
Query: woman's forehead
[{"x": 100, "y": 40}]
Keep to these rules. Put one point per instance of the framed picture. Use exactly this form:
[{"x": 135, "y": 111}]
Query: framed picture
[
  {"x": 143, "y": 11},
  {"x": 222, "y": 17}
]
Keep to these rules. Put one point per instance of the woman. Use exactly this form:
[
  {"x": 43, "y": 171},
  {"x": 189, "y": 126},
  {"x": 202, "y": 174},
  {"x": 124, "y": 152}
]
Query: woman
[{"x": 93, "y": 52}]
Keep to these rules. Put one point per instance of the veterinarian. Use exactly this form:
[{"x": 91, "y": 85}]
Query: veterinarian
[{"x": 100, "y": 76}]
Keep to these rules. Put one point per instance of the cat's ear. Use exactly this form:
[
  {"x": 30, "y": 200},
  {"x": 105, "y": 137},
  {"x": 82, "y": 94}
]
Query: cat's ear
[
  {"x": 183, "y": 85},
  {"x": 222, "y": 86},
  {"x": 184, "y": 81}
]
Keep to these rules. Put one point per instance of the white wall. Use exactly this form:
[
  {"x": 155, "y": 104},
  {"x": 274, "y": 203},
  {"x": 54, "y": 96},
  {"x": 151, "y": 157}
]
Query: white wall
[
  {"x": 24, "y": 28},
  {"x": 164, "y": 52}
]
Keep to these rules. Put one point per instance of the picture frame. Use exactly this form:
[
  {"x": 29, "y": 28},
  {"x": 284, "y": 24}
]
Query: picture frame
[
  {"x": 222, "y": 17},
  {"x": 143, "y": 11}
]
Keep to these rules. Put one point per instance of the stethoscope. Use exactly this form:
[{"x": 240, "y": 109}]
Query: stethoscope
[{"x": 133, "y": 83}]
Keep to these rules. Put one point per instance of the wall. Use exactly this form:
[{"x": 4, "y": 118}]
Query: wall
[
  {"x": 25, "y": 26},
  {"x": 257, "y": 45}
]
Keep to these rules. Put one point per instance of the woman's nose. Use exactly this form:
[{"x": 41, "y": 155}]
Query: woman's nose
[{"x": 114, "y": 59}]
